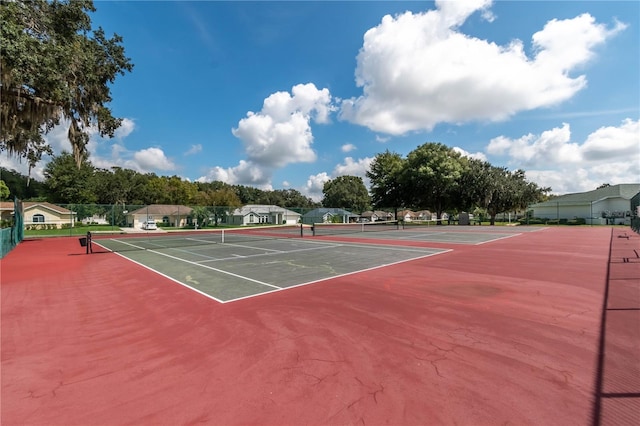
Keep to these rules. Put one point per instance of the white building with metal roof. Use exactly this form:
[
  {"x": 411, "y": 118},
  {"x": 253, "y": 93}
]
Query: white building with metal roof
[
  {"x": 256, "y": 214},
  {"x": 607, "y": 205}
]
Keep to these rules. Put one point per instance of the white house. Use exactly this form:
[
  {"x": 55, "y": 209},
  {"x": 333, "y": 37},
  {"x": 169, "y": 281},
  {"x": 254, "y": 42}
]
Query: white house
[
  {"x": 256, "y": 214},
  {"x": 377, "y": 215},
  {"x": 608, "y": 205},
  {"x": 167, "y": 214}
]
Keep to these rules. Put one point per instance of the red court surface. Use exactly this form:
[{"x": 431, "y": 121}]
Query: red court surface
[{"x": 502, "y": 333}]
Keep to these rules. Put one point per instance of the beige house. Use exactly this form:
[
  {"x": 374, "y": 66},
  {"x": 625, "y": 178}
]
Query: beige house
[
  {"x": 407, "y": 215},
  {"x": 163, "y": 214},
  {"x": 39, "y": 214},
  {"x": 6, "y": 210}
]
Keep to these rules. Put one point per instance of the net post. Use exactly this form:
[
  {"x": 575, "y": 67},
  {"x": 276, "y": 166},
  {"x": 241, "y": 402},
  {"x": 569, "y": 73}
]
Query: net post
[
  {"x": 301, "y": 230},
  {"x": 222, "y": 237},
  {"x": 89, "y": 247}
]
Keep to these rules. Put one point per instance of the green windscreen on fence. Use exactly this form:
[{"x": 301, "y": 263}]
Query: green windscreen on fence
[
  {"x": 635, "y": 213},
  {"x": 6, "y": 234},
  {"x": 10, "y": 237},
  {"x": 18, "y": 221}
]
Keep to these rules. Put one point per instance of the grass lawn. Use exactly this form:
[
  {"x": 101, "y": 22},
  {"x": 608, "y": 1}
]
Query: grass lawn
[{"x": 76, "y": 230}]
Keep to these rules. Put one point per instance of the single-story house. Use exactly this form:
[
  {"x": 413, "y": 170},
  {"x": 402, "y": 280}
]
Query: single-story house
[
  {"x": 98, "y": 219},
  {"x": 40, "y": 214},
  {"x": 255, "y": 214},
  {"x": 327, "y": 215},
  {"x": 373, "y": 216},
  {"x": 407, "y": 215},
  {"x": 424, "y": 215},
  {"x": 167, "y": 214},
  {"x": 6, "y": 211},
  {"x": 607, "y": 205}
]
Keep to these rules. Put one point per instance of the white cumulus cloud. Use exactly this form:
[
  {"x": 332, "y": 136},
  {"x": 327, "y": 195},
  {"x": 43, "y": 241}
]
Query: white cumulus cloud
[
  {"x": 348, "y": 147},
  {"x": 611, "y": 154},
  {"x": 152, "y": 159},
  {"x": 127, "y": 126},
  {"x": 278, "y": 135},
  {"x": 314, "y": 186},
  {"x": 349, "y": 167},
  {"x": 418, "y": 69},
  {"x": 193, "y": 149},
  {"x": 552, "y": 146},
  {"x": 245, "y": 173},
  {"x": 476, "y": 155}
]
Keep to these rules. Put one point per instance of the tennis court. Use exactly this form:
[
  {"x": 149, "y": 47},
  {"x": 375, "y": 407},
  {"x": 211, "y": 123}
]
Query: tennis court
[
  {"x": 400, "y": 328},
  {"x": 409, "y": 232},
  {"x": 232, "y": 266},
  {"x": 236, "y": 263}
]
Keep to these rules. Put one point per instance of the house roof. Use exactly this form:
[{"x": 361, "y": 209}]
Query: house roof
[
  {"x": 377, "y": 213},
  {"x": 164, "y": 209},
  {"x": 321, "y": 211},
  {"x": 624, "y": 190},
  {"x": 28, "y": 205},
  {"x": 263, "y": 209}
]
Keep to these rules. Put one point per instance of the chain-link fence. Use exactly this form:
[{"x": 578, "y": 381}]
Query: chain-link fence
[
  {"x": 47, "y": 219},
  {"x": 13, "y": 232},
  {"x": 635, "y": 213}
]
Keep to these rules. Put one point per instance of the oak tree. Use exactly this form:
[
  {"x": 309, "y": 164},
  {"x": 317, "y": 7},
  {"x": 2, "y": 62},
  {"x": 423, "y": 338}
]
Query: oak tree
[{"x": 55, "y": 66}]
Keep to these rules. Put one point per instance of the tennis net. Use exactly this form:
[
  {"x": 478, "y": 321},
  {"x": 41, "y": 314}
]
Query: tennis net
[
  {"x": 354, "y": 228},
  {"x": 180, "y": 239},
  {"x": 424, "y": 223}
]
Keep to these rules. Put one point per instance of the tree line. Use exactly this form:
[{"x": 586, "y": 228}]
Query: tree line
[
  {"x": 431, "y": 177},
  {"x": 436, "y": 177},
  {"x": 65, "y": 183}
]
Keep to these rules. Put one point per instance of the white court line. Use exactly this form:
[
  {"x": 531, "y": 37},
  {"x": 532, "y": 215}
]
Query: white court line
[
  {"x": 207, "y": 267},
  {"x": 170, "y": 278},
  {"x": 336, "y": 276},
  {"x": 250, "y": 247},
  {"x": 214, "y": 259},
  {"x": 274, "y": 287},
  {"x": 440, "y": 241},
  {"x": 496, "y": 239},
  {"x": 469, "y": 242},
  {"x": 239, "y": 256}
]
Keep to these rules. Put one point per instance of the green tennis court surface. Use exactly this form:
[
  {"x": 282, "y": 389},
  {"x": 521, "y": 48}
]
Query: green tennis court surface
[
  {"x": 432, "y": 233},
  {"x": 232, "y": 271}
]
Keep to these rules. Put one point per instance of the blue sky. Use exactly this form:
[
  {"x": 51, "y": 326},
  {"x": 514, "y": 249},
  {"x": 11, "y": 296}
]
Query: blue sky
[{"x": 289, "y": 94}]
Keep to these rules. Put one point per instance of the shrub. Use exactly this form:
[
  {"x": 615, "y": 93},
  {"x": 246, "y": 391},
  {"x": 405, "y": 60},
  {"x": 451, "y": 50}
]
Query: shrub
[{"x": 531, "y": 221}]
